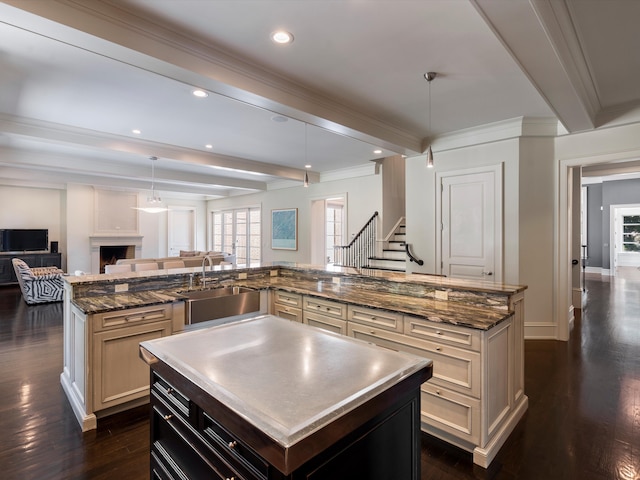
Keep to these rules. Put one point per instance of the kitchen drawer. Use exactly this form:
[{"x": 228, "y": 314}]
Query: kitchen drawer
[
  {"x": 442, "y": 333},
  {"x": 453, "y": 368},
  {"x": 325, "y": 322},
  {"x": 132, "y": 316},
  {"x": 325, "y": 307},
  {"x": 240, "y": 456},
  {"x": 287, "y": 298},
  {"x": 179, "y": 402},
  {"x": 285, "y": 311},
  {"x": 376, "y": 318},
  {"x": 452, "y": 412},
  {"x": 175, "y": 450}
]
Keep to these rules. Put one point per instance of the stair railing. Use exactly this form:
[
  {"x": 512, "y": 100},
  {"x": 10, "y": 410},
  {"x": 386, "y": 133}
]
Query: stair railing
[
  {"x": 410, "y": 255},
  {"x": 360, "y": 248}
]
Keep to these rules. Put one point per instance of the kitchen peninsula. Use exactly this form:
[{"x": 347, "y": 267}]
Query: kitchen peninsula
[
  {"x": 473, "y": 332},
  {"x": 266, "y": 398}
]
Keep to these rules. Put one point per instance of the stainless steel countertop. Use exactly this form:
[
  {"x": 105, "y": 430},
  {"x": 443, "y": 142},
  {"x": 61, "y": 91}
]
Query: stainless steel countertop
[{"x": 285, "y": 378}]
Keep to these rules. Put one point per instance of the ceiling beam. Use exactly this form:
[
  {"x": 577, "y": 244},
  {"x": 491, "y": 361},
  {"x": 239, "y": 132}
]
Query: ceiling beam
[{"x": 107, "y": 29}]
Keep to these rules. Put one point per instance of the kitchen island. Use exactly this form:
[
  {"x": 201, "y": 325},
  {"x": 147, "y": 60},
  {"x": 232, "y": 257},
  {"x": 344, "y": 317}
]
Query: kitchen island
[
  {"x": 472, "y": 330},
  {"x": 266, "y": 398}
]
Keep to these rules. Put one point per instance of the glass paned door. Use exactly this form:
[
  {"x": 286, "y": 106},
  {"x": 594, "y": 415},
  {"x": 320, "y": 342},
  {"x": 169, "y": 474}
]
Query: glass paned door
[{"x": 237, "y": 231}]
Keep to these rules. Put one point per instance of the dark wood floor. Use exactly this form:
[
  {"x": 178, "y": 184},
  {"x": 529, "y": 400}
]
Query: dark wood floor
[{"x": 583, "y": 420}]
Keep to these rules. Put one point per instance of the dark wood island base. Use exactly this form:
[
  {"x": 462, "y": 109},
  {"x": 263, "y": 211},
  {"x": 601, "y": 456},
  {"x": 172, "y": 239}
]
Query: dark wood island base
[{"x": 196, "y": 435}]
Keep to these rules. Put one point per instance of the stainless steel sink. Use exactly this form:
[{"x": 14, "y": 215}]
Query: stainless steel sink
[{"x": 205, "y": 305}]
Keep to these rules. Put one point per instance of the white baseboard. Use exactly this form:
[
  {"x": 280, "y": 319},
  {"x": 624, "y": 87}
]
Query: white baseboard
[
  {"x": 484, "y": 456},
  {"x": 576, "y": 297},
  {"x": 87, "y": 422},
  {"x": 540, "y": 331}
]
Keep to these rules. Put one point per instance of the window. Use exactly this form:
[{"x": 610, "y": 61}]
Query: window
[
  {"x": 238, "y": 231},
  {"x": 631, "y": 233}
]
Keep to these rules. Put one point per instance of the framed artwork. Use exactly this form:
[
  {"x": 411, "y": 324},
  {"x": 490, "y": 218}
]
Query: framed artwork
[{"x": 284, "y": 229}]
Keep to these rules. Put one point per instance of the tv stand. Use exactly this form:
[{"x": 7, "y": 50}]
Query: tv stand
[{"x": 33, "y": 259}]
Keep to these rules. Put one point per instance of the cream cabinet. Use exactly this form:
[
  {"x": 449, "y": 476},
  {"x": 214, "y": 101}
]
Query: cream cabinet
[
  {"x": 102, "y": 371},
  {"x": 325, "y": 314},
  {"x": 286, "y": 305},
  {"x": 119, "y": 375},
  {"x": 475, "y": 396}
]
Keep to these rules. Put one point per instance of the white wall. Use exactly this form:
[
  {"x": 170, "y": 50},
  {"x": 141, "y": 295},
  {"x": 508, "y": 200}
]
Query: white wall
[
  {"x": 152, "y": 226},
  {"x": 528, "y": 213},
  {"x": 393, "y": 193},
  {"x": 363, "y": 196},
  {"x": 32, "y": 207}
]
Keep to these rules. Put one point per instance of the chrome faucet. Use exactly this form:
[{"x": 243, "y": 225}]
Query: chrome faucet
[{"x": 204, "y": 274}]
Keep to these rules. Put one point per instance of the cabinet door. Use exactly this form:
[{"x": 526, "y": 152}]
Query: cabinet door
[
  {"x": 6, "y": 270},
  {"x": 120, "y": 374}
]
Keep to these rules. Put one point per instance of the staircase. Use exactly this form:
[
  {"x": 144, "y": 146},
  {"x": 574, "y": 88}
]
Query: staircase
[{"x": 393, "y": 254}]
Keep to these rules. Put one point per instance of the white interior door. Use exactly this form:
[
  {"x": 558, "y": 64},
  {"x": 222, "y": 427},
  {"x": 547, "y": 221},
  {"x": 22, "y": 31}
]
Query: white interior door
[
  {"x": 182, "y": 229},
  {"x": 471, "y": 224}
]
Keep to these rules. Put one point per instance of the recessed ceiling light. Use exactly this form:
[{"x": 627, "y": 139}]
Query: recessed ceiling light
[
  {"x": 282, "y": 37},
  {"x": 377, "y": 152},
  {"x": 208, "y": 145},
  {"x": 135, "y": 131},
  {"x": 200, "y": 93},
  {"x": 307, "y": 166}
]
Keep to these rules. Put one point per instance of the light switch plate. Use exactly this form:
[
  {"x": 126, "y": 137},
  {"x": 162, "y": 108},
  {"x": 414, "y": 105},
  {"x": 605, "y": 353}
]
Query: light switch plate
[
  {"x": 122, "y": 287},
  {"x": 242, "y": 276},
  {"x": 442, "y": 295},
  {"x": 273, "y": 273}
]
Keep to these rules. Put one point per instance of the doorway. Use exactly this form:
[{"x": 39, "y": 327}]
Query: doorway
[
  {"x": 328, "y": 227},
  {"x": 625, "y": 237},
  {"x": 181, "y": 230}
]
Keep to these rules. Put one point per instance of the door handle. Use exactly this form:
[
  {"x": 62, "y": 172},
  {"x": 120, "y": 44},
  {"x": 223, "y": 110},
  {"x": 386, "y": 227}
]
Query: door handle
[{"x": 487, "y": 273}]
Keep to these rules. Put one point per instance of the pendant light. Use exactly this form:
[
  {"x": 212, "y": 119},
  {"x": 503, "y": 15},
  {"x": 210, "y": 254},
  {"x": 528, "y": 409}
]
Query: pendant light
[
  {"x": 305, "y": 181},
  {"x": 154, "y": 202},
  {"x": 429, "y": 76}
]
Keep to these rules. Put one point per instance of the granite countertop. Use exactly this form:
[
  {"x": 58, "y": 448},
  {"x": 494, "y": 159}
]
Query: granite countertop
[
  {"x": 287, "y": 380},
  {"x": 481, "y": 318}
]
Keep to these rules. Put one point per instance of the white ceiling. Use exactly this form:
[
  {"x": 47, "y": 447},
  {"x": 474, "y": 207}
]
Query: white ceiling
[{"x": 77, "y": 76}]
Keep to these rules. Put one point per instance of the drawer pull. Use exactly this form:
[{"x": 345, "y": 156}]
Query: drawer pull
[
  {"x": 230, "y": 478},
  {"x": 170, "y": 391},
  {"x": 233, "y": 444},
  {"x": 437, "y": 392},
  {"x": 438, "y": 349},
  {"x": 328, "y": 309},
  {"x": 438, "y": 332},
  {"x": 168, "y": 417}
]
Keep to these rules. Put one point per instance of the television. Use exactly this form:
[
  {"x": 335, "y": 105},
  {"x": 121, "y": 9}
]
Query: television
[{"x": 24, "y": 240}]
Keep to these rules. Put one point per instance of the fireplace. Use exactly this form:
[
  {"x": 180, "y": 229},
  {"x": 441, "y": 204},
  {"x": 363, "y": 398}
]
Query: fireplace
[
  {"x": 109, "y": 254},
  {"x": 106, "y": 249}
]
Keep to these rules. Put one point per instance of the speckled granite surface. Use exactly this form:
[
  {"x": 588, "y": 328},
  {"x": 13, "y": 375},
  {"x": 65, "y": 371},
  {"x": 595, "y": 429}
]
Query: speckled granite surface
[{"x": 478, "y": 310}]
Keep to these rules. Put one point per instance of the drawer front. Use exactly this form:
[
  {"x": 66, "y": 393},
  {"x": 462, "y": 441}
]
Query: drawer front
[
  {"x": 240, "y": 455},
  {"x": 376, "y": 318},
  {"x": 451, "y": 412},
  {"x": 442, "y": 333},
  {"x": 335, "y": 325},
  {"x": 179, "y": 402},
  {"x": 287, "y": 298},
  {"x": 453, "y": 368},
  {"x": 175, "y": 449},
  {"x": 285, "y": 311},
  {"x": 132, "y": 316},
  {"x": 325, "y": 307}
]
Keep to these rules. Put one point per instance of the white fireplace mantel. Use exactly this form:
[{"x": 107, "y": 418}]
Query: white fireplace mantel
[
  {"x": 107, "y": 240},
  {"x": 102, "y": 240}
]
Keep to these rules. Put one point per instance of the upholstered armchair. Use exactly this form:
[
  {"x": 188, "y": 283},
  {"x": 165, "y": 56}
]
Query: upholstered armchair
[{"x": 39, "y": 285}]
